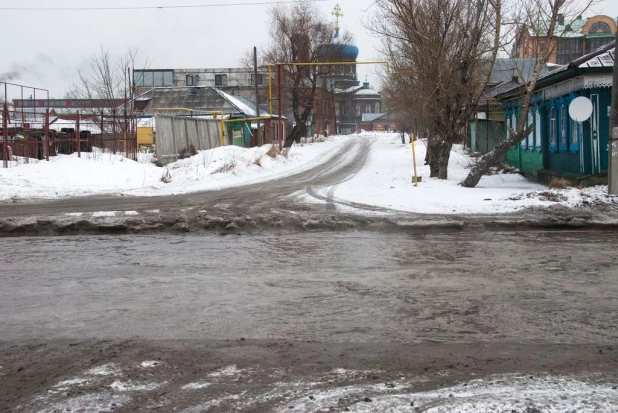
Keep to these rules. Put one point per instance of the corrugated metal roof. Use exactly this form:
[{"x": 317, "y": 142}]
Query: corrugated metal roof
[
  {"x": 506, "y": 68},
  {"x": 198, "y": 98},
  {"x": 602, "y": 57},
  {"x": 204, "y": 98}
]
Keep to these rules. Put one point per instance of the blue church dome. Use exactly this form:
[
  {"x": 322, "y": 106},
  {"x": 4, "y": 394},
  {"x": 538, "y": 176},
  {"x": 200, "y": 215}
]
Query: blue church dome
[{"x": 349, "y": 50}]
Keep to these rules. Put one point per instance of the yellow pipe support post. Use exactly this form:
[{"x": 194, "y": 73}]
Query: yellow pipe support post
[{"x": 413, "y": 158}]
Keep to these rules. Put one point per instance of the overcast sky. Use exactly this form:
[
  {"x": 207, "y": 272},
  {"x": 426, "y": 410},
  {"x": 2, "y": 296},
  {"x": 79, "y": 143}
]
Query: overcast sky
[{"x": 45, "y": 48}]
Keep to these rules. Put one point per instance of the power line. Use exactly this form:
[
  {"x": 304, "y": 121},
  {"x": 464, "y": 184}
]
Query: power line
[{"x": 189, "y": 6}]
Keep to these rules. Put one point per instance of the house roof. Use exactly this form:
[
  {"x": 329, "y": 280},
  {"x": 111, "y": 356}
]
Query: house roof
[
  {"x": 505, "y": 69},
  {"x": 569, "y": 29},
  {"x": 602, "y": 58},
  {"x": 200, "y": 98}
]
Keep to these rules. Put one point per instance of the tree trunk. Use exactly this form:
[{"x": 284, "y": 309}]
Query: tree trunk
[
  {"x": 434, "y": 158},
  {"x": 493, "y": 157},
  {"x": 445, "y": 154},
  {"x": 298, "y": 131}
]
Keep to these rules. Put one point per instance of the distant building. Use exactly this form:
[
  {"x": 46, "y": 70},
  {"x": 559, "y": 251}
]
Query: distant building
[
  {"x": 204, "y": 101},
  {"x": 342, "y": 101},
  {"x": 356, "y": 107},
  {"x": 573, "y": 39},
  {"x": 233, "y": 81}
]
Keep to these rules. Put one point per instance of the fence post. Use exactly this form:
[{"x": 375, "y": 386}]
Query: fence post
[
  {"x": 47, "y": 135},
  {"x": 114, "y": 129},
  {"x": 5, "y": 135},
  {"x": 79, "y": 145},
  {"x": 102, "y": 135}
]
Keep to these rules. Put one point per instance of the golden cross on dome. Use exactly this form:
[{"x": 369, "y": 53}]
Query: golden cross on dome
[{"x": 337, "y": 13}]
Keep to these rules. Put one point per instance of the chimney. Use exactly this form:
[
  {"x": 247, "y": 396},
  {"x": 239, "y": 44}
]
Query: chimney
[{"x": 561, "y": 19}]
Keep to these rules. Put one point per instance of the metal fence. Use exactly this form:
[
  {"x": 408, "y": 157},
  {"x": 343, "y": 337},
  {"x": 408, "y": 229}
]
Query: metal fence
[
  {"x": 175, "y": 134},
  {"x": 39, "y": 135}
]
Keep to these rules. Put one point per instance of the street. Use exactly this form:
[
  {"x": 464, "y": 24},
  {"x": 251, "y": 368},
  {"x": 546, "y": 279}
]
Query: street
[{"x": 263, "y": 322}]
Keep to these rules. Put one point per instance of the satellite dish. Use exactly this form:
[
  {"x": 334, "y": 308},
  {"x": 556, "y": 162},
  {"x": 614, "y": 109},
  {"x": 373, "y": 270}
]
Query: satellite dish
[{"x": 580, "y": 109}]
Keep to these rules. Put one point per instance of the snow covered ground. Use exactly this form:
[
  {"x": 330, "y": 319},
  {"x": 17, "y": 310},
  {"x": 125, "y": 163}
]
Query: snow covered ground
[
  {"x": 505, "y": 393},
  {"x": 386, "y": 181},
  {"x": 105, "y": 173}
]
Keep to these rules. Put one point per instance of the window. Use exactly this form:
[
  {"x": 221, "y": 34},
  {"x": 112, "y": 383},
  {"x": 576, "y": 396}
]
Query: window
[
  {"x": 537, "y": 130},
  {"x": 543, "y": 47},
  {"x": 563, "y": 128},
  {"x": 358, "y": 110},
  {"x": 513, "y": 126},
  {"x": 530, "y": 138},
  {"x": 600, "y": 27},
  {"x": 569, "y": 50},
  {"x": 368, "y": 109},
  {"x": 220, "y": 80},
  {"x": 553, "y": 125},
  {"x": 575, "y": 133},
  {"x": 153, "y": 78},
  {"x": 594, "y": 43},
  {"x": 260, "y": 79},
  {"x": 192, "y": 80},
  {"x": 344, "y": 109}
]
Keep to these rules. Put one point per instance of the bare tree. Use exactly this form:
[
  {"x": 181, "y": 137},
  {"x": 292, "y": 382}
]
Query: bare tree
[
  {"x": 301, "y": 34},
  {"x": 107, "y": 77},
  {"x": 436, "y": 48},
  {"x": 534, "y": 20}
]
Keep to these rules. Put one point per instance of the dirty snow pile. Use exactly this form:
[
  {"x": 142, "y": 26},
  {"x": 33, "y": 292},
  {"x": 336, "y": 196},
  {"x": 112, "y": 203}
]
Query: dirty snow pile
[
  {"x": 386, "y": 181},
  {"x": 102, "y": 172}
]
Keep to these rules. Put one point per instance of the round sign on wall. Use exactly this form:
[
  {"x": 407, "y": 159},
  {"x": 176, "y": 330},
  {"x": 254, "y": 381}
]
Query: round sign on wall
[{"x": 580, "y": 109}]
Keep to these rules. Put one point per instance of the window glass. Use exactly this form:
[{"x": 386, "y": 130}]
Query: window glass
[
  {"x": 191, "y": 80},
  {"x": 368, "y": 109},
  {"x": 563, "y": 127},
  {"x": 530, "y": 138},
  {"x": 594, "y": 43},
  {"x": 574, "y": 133},
  {"x": 158, "y": 78},
  {"x": 260, "y": 79},
  {"x": 357, "y": 110},
  {"x": 220, "y": 80},
  {"x": 569, "y": 50},
  {"x": 552, "y": 126},
  {"x": 138, "y": 79},
  {"x": 148, "y": 79},
  {"x": 600, "y": 27},
  {"x": 168, "y": 78}
]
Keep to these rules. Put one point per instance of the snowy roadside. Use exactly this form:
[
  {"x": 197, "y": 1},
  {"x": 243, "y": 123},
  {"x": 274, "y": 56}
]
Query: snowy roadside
[
  {"x": 386, "y": 181},
  {"x": 100, "y": 173}
]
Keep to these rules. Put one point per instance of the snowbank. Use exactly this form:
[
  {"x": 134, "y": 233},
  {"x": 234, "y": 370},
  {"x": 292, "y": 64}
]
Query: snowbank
[
  {"x": 105, "y": 173},
  {"x": 386, "y": 181}
]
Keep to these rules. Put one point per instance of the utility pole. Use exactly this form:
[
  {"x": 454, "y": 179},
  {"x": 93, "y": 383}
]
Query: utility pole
[
  {"x": 613, "y": 137},
  {"x": 257, "y": 96}
]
